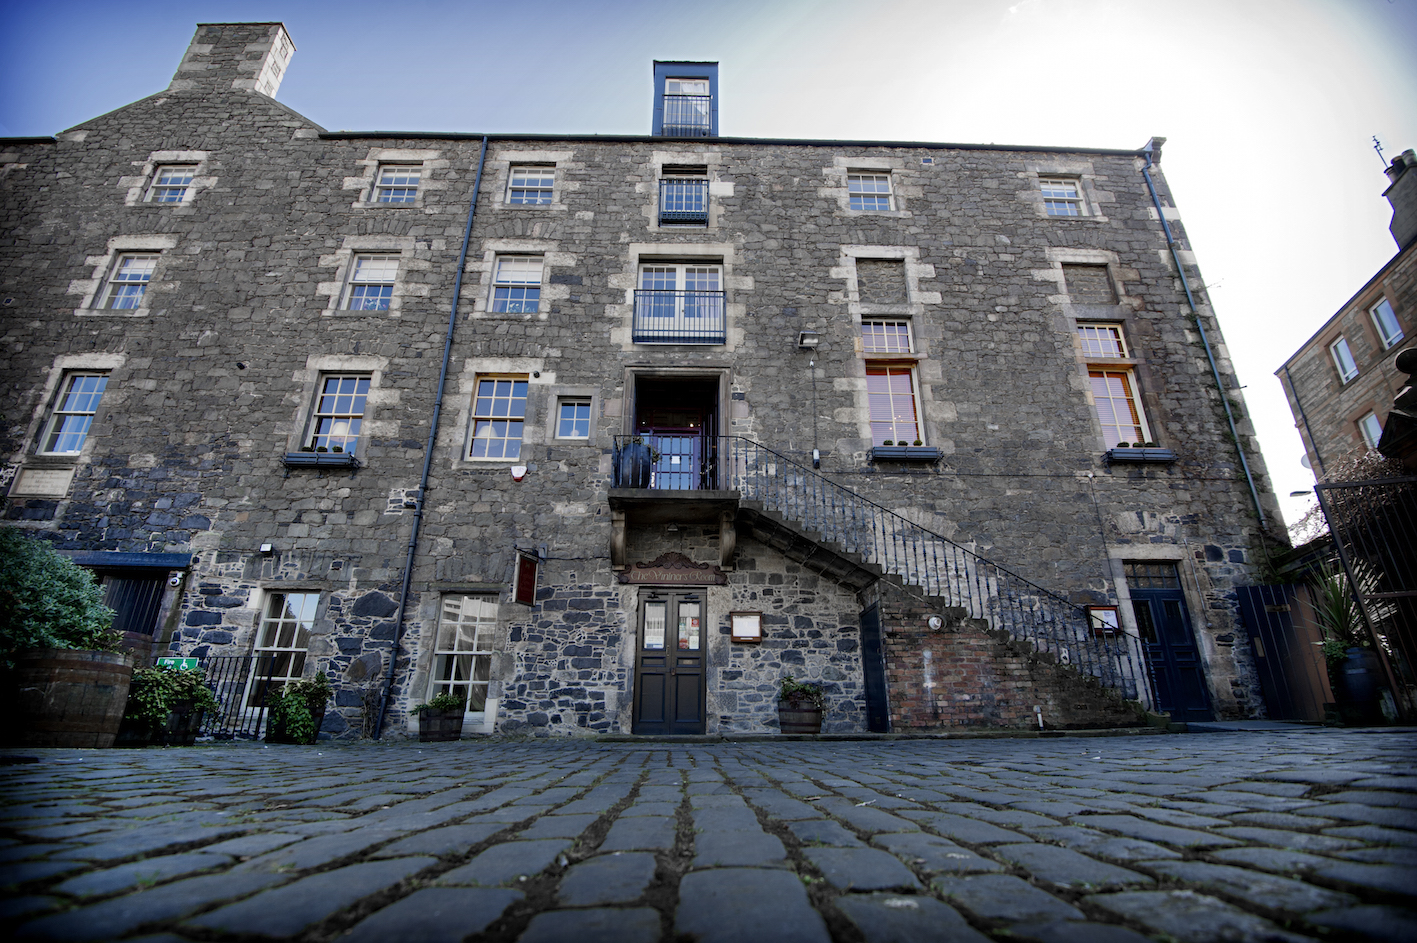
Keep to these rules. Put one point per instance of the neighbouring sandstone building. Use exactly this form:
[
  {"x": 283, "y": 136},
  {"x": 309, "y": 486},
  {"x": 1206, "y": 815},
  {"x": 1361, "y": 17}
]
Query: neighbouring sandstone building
[
  {"x": 1342, "y": 381},
  {"x": 608, "y": 433}
]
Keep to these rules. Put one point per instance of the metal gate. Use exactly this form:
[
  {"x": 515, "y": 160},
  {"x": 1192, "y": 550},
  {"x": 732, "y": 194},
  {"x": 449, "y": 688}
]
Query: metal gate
[
  {"x": 1284, "y": 639},
  {"x": 1374, "y": 528}
]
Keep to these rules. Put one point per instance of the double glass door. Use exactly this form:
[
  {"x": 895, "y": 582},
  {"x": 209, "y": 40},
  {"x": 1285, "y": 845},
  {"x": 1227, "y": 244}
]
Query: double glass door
[{"x": 669, "y": 663}]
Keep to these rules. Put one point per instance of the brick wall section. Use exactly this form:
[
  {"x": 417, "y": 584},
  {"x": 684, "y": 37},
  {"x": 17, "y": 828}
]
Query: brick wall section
[{"x": 978, "y": 677}]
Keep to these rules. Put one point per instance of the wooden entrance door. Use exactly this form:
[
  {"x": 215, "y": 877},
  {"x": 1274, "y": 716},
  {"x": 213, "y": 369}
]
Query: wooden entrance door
[
  {"x": 1172, "y": 655},
  {"x": 669, "y": 663}
]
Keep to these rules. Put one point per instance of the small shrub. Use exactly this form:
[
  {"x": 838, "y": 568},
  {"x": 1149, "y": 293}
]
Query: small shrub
[
  {"x": 801, "y": 694},
  {"x": 292, "y": 711},
  {"x": 156, "y": 692},
  {"x": 48, "y": 601},
  {"x": 441, "y": 702}
]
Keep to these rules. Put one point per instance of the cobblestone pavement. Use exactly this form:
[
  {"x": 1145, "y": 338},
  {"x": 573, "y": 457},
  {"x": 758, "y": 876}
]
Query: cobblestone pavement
[{"x": 1195, "y": 837}]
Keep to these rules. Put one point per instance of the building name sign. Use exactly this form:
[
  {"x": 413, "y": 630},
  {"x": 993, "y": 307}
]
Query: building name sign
[{"x": 674, "y": 569}]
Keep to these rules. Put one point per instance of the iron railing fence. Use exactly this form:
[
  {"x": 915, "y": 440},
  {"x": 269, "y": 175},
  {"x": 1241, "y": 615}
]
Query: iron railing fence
[
  {"x": 959, "y": 577},
  {"x": 683, "y": 200},
  {"x": 240, "y": 683},
  {"x": 663, "y": 316},
  {"x": 1374, "y": 528},
  {"x": 687, "y": 116}
]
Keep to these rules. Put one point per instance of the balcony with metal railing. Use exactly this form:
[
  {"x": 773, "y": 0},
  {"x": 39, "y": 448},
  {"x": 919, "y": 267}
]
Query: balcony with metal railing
[
  {"x": 683, "y": 201},
  {"x": 732, "y": 474},
  {"x": 663, "y": 316},
  {"x": 688, "y": 116}
]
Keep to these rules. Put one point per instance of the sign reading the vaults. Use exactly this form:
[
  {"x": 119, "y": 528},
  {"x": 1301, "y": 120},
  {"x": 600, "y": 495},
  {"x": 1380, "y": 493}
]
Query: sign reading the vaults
[{"x": 671, "y": 569}]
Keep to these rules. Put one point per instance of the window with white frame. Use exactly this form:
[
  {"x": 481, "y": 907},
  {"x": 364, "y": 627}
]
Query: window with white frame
[
  {"x": 679, "y": 303},
  {"x": 890, "y": 391},
  {"x": 1343, "y": 359},
  {"x": 1114, "y": 387},
  {"x": 338, "y": 415},
  {"x": 462, "y": 653},
  {"x": 281, "y": 644},
  {"x": 172, "y": 184},
  {"x": 1061, "y": 196},
  {"x": 531, "y": 186},
  {"x": 398, "y": 183},
  {"x": 687, "y": 107},
  {"x": 885, "y": 337},
  {"x": 1372, "y": 430},
  {"x": 573, "y": 417},
  {"x": 73, "y": 413},
  {"x": 371, "y": 282},
  {"x": 516, "y": 284},
  {"x": 1385, "y": 320},
  {"x": 1114, "y": 395},
  {"x": 128, "y": 281},
  {"x": 868, "y": 191},
  {"x": 498, "y": 416}
]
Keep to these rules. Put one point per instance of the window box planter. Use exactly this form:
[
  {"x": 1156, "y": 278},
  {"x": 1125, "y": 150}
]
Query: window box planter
[
  {"x": 320, "y": 460},
  {"x": 1142, "y": 456},
  {"x": 436, "y": 726},
  {"x": 904, "y": 453}
]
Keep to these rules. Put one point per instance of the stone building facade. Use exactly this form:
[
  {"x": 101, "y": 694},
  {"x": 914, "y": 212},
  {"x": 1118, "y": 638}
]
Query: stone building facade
[
  {"x": 309, "y": 395},
  {"x": 1341, "y": 382}
]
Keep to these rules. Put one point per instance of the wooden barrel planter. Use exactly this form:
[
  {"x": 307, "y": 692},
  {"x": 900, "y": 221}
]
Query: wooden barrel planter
[
  {"x": 70, "y": 698},
  {"x": 794, "y": 719},
  {"x": 434, "y": 726}
]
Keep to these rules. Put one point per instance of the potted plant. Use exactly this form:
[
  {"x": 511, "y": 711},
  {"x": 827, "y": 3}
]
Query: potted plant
[
  {"x": 799, "y": 706},
  {"x": 65, "y": 680},
  {"x": 166, "y": 706},
  {"x": 1352, "y": 664},
  {"x": 298, "y": 710},
  {"x": 440, "y": 718}
]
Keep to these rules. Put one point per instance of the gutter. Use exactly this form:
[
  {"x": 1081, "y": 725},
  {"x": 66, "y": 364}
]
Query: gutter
[
  {"x": 1200, "y": 325},
  {"x": 428, "y": 451}
]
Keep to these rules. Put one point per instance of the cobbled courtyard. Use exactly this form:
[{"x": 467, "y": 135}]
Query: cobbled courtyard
[{"x": 1309, "y": 834}]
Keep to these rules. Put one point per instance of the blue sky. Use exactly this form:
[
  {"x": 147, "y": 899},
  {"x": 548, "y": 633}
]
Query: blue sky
[{"x": 1269, "y": 105}]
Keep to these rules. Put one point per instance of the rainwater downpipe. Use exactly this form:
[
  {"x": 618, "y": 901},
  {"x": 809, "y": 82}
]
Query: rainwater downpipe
[
  {"x": 1205, "y": 341},
  {"x": 1305, "y": 416},
  {"x": 428, "y": 450}
]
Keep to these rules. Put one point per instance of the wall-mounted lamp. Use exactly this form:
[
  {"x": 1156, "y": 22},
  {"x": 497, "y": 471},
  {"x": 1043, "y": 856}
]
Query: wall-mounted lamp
[
  {"x": 267, "y": 549},
  {"x": 808, "y": 340}
]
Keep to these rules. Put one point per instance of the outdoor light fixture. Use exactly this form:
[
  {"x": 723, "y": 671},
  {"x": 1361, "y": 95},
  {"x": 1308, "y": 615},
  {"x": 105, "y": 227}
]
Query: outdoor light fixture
[
  {"x": 267, "y": 549},
  {"x": 808, "y": 340}
]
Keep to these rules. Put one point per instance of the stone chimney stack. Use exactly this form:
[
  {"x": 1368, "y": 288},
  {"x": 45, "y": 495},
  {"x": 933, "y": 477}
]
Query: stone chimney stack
[
  {"x": 224, "y": 56},
  {"x": 1402, "y": 194}
]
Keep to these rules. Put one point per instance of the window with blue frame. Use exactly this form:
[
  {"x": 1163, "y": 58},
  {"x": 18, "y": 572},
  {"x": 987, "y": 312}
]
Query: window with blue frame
[{"x": 516, "y": 286}]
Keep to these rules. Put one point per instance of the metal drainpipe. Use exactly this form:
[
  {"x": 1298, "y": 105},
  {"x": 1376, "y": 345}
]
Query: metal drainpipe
[
  {"x": 1205, "y": 341},
  {"x": 428, "y": 450},
  {"x": 1305, "y": 416}
]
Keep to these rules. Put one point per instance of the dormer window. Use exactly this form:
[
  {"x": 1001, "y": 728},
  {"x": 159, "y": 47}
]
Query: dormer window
[{"x": 686, "y": 108}]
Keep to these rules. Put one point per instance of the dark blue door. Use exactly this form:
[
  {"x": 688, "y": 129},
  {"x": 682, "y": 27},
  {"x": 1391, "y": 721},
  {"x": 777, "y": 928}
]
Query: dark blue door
[{"x": 1172, "y": 656}]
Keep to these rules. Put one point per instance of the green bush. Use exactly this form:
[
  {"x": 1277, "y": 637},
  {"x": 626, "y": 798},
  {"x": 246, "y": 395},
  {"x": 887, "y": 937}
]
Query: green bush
[
  {"x": 292, "y": 713},
  {"x": 48, "y": 601},
  {"x": 156, "y": 692},
  {"x": 441, "y": 702},
  {"x": 801, "y": 693}
]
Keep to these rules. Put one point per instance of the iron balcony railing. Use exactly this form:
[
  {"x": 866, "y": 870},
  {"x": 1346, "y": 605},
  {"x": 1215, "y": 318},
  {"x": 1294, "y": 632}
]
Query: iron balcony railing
[
  {"x": 683, "y": 201},
  {"x": 241, "y": 684},
  {"x": 678, "y": 317},
  {"x": 687, "y": 116},
  {"x": 959, "y": 577}
]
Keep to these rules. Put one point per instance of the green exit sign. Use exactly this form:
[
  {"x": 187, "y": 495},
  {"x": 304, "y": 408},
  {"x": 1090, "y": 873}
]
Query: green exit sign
[{"x": 185, "y": 664}]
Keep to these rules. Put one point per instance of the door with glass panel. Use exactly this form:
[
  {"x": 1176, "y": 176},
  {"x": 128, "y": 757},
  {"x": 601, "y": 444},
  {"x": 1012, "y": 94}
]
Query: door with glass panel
[
  {"x": 679, "y": 304},
  {"x": 669, "y": 664},
  {"x": 1172, "y": 656},
  {"x": 462, "y": 654}
]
